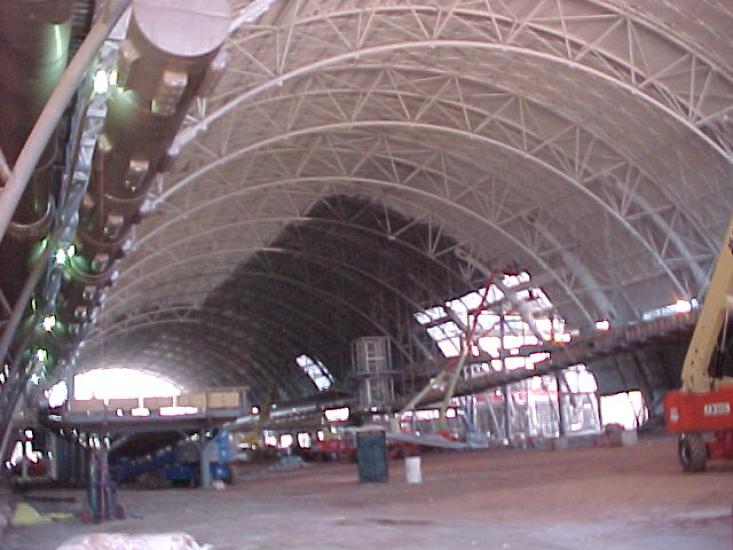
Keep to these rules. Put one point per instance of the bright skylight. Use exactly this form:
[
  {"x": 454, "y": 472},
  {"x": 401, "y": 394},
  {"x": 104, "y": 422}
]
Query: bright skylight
[
  {"x": 680, "y": 306},
  {"x": 121, "y": 383},
  {"x": 316, "y": 371},
  {"x": 443, "y": 323}
]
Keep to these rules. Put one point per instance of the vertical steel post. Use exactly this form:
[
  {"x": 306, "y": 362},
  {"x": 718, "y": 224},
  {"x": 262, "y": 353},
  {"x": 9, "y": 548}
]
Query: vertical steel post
[
  {"x": 205, "y": 460},
  {"x": 505, "y": 387},
  {"x": 560, "y": 411},
  {"x": 600, "y": 413}
]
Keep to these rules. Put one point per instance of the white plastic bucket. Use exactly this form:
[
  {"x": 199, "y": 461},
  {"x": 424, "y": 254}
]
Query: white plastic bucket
[{"x": 412, "y": 469}]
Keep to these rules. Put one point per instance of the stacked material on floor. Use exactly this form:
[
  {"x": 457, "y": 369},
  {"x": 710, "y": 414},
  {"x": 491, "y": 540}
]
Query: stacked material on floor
[{"x": 116, "y": 541}]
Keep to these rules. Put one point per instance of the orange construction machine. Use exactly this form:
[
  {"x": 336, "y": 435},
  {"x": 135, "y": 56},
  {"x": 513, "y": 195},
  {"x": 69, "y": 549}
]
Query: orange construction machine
[{"x": 702, "y": 410}]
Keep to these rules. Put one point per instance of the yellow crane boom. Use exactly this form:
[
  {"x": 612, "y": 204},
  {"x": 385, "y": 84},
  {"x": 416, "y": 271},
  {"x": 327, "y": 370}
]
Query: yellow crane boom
[
  {"x": 712, "y": 320},
  {"x": 704, "y": 405}
]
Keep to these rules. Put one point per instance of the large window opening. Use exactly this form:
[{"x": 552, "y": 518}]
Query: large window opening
[
  {"x": 504, "y": 341},
  {"x": 625, "y": 409},
  {"x": 316, "y": 371},
  {"x": 122, "y": 383},
  {"x": 112, "y": 383},
  {"x": 500, "y": 329}
]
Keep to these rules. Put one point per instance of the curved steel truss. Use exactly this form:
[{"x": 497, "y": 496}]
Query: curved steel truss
[{"x": 352, "y": 147}]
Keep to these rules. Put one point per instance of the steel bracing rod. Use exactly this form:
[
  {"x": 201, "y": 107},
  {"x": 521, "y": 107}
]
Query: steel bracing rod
[
  {"x": 571, "y": 181},
  {"x": 413, "y": 126},
  {"x": 497, "y": 117},
  {"x": 465, "y": 211},
  {"x": 250, "y": 13},
  {"x": 328, "y": 297},
  {"x": 339, "y": 81},
  {"x": 235, "y": 346},
  {"x": 110, "y": 331},
  {"x": 324, "y": 296},
  {"x": 150, "y": 274},
  {"x": 137, "y": 318},
  {"x": 252, "y": 323},
  {"x": 319, "y": 260},
  {"x": 216, "y": 350},
  {"x": 54, "y": 110},
  {"x": 226, "y": 367},
  {"x": 581, "y": 272},
  {"x": 270, "y": 365},
  {"x": 347, "y": 175},
  {"x": 250, "y": 248},
  {"x": 190, "y": 132},
  {"x": 239, "y": 363},
  {"x": 261, "y": 362},
  {"x": 200, "y": 205},
  {"x": 448, "y": 377},
  {"x": 513, "y": 25},
  {"x": 234, "y": 227},
  {"x": 640, "y": 68},
  {"x": 565, "y": 255},
  {"x": 522, "y": 307},
  {"x": 123, "y": 328},
  {"x": 316, "y": 259},
  {"x": 341, "y": 180}
]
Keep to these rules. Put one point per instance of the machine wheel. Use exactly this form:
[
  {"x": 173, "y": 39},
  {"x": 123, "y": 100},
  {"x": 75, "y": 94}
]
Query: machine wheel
[{"x": 692, "y": 452}]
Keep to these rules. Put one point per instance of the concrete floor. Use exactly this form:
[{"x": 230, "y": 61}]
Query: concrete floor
[{"x": 608, "y": 498}]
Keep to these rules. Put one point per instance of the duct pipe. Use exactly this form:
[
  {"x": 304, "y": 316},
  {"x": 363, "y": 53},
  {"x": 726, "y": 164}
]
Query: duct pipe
[
  {"x": 46, "y": 124},
  {"x": 171, "y": 54}
]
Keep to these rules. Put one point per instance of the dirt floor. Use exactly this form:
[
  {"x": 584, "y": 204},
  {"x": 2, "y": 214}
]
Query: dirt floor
[{"x": 610, "y": 498}]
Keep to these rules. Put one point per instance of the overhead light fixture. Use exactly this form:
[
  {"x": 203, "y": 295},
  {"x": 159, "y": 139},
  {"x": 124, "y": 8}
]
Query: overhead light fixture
[
  {"x": 101, "y": 82},
  {"x": 60, "y": 257},
  {"x": 49, "y": 322},
  {"x": 64, "y": 254}
]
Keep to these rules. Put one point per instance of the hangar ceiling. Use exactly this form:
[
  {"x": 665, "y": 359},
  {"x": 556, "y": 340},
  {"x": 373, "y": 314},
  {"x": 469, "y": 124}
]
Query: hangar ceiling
[{"x": 353, "y": 147}]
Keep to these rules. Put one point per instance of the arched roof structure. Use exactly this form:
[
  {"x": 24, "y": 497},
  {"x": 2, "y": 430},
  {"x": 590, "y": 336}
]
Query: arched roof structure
[{"x": 353, "y": 146}]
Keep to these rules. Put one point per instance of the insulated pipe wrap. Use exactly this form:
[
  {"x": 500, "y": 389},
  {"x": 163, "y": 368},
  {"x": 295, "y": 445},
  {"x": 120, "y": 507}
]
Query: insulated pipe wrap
[
  {"x": 166, "y": 55},
  {"x": 172, "y": 47},
  {"x": 34, "y": 41},
  {"x": 34, "y": 44}
]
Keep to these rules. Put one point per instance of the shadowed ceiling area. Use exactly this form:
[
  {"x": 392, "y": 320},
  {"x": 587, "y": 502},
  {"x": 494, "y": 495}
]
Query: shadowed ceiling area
[
  {"x": 348, "y": 268},
  {"x": 352, "y": 148}
]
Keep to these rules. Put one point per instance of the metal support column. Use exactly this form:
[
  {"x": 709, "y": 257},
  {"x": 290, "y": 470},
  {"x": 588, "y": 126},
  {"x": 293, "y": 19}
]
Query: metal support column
[
  {"x": 205, "y": 460},
  {"x": 505, "y": 387},
  {"x": 560, "y": 410}
]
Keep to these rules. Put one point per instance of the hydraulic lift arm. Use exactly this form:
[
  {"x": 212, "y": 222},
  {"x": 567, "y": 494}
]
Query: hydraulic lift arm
[
  {"x": 704, "y": 403},
  {"x": 714, "y": 319}
]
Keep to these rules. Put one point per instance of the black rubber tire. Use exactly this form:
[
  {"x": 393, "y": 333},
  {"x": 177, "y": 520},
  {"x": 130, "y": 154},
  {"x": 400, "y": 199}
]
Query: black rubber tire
[{"x": 692, "y": 452}]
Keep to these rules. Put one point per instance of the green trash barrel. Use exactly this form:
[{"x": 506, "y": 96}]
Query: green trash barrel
[{"x": 371, "y": 455}]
